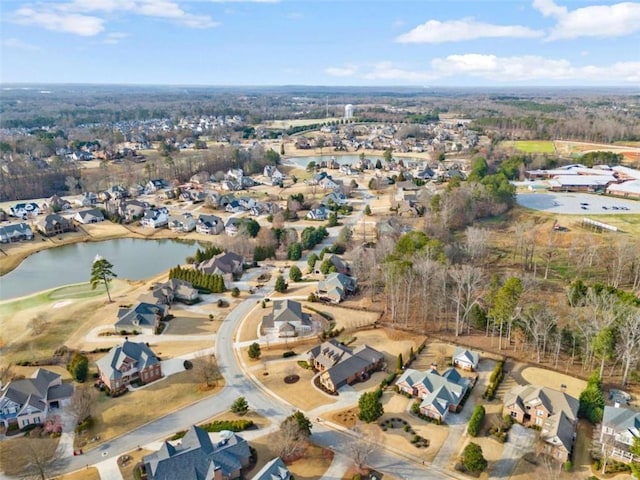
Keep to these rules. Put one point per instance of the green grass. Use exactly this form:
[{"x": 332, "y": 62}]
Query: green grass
[
  {"x": 531, "y": 146},
  {"x": 79, "y": 290}
]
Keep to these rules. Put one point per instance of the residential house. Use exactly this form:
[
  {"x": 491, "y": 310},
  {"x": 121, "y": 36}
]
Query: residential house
[
  {"x": 155, "y": 218},
  {"x": 335, "y": 198},
  {"x": 273, "y": 470},
  {"x": 329, "y": 183},
  {"x": 126, "y": 363},
  {"x": 209, "y": 225},
  {"x": 338, "y": 263},
  {"x": 30, "y": 400},
  {"x": 234, "y": 206},
  {"x": 130, "y": 210},
  {"x": 287, "y": 320},
  {"x": 320, "y": 213},
  {"x": 154, "y": 185},
  {"x": 228, "y": 264},
  {"x": 182, "y": 223},
  {"x": 118, "y": 191},
  {"x": 16, "y": 232},
  {"x": 465, "y": 359},
  {"x": 93, "y": 215},
  {"x": 143, "y": 317},
  {"x": 620, "y": 428},
  {"x": 197, "y": 457},
  {"x": 232, "y": 227},
  {"x": 54, "y": 224},
  {"x": 336, "y": 286},
  {"x": 56, "y": 204},
  {"x": 340, "y": 365},
  {"x": 89, "y": 199},
  {"x": 174, "y": 290},
  {"x": 24, "y": 210},
  {"x": 440, "y": 393},
  {"x": 553, "y": 411}
]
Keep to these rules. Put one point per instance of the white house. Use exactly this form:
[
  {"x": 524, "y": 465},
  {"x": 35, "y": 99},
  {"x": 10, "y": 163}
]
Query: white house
[
  {"x": 182, "y": 223},
  {"x": 92, "y": 215},
  {"x": 466, "y": 359},
  {"x": 155, "y": 218},
  {"x": 22, "y": 210},
  {"x": 620, "y": 426},
  {"x": 209, "y": 225}
]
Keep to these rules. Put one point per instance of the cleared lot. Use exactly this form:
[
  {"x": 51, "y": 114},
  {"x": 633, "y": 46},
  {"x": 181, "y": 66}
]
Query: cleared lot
[{"x": 578, "y": 203}]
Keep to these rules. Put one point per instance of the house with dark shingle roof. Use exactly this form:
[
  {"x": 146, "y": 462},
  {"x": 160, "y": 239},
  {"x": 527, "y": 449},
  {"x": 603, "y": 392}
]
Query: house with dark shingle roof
[
  {"x": 273, "y": 470},
  {"x": 54, "y": 224},
  {"x": 553, "y": 411},
  {"x": 128, "y": 362},
  {"x": 143, "y": 317},
  {"x": 173, "y": 290},
  {"x": 440, "y": 394},
  {"x": 228, "y": 264},
  {"x": 620, "y": 428},
  {"x": 340, "y": 365},
  {"x": 197, "y": 457},
  {"x": 287, "y": 320},
  {"x": 28, "y": 401},
  {"x": 209, "y": 225}
]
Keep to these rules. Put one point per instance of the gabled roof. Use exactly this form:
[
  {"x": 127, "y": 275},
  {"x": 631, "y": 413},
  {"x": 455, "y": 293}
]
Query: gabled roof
[
  {"x": 136, "y": 352},
  {"x": 142, "y": 315},
  {"x": 468, "y": 356},
  {"x": 620, "y": 419},
  {"x": 35, "y": 392},
  {"x": 554, "y": 401},
  {"x": 286, "y": 311},
  {"x": 557, "y": 430},
  {"x": 432, "y": 381},
  {"x": 198, "y": 457},
  {"x": 273, "y": 470}
]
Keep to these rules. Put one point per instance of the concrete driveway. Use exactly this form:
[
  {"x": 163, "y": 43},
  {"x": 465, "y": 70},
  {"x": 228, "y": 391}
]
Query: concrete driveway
[{"x": 521, "y": 441}]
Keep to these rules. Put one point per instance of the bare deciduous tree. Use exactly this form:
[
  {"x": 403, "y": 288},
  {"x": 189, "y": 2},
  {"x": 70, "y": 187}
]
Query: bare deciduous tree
[
  {"x": 476, "y": 243},
  {"x": 81, "y": 402},
  {"x": 207, "y": 370},
  {"x": 362, "y": 447},
  {"x": 38, "y": 324},
  {"x": 628, "y": 344},
  {"x": 466, "y": 292},
  {"x": 30, "y": 458}
]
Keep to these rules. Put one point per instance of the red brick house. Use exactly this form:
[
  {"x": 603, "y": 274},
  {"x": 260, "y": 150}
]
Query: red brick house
[{"x": 126, "y": 363}]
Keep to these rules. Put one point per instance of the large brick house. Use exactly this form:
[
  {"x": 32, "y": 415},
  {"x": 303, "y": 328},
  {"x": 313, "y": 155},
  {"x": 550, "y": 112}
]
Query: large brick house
[
  {"x": 126, "y": 363},
  {"x": 554, "y": 412},
  {"x": 287, "y": 320},
  {"x": 339, "y": 365}
]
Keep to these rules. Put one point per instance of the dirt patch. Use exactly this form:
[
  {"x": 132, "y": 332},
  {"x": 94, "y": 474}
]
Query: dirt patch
[
  {"x": 187, "y": 323},
  {"x": 347, "y": 418},
  {"x": 551, "y": 379}
]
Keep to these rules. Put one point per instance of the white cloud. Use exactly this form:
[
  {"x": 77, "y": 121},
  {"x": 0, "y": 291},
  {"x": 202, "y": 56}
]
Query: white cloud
[
  {"x": 615, "y": 20},
  {"x": 435, "y": 31},
  {"x": 84, "y": 17},
  {"x": 517, "y": 69},
  {"x": 295, "y": 16},
  {"x": 346, "y": 71},
  {"x": 16, "y": 43},
  {"x": 115, "y": 37},
  {"x": 83, "y": 25}
]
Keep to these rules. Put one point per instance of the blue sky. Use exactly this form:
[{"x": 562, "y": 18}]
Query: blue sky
[{"x": 321, "y": 42}]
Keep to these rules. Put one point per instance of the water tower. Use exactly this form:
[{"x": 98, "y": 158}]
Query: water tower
[{"x": 348, "y": 111}]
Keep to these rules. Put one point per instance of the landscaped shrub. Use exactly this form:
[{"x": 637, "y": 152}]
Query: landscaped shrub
[
  {"x": 304, "y": 364},
  {"x": 494, "y": 381},
  {"x": 475, "y": 422}
]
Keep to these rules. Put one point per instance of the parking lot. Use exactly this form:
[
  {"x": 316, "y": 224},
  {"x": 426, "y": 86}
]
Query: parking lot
[{"x": 578, "y": 203}]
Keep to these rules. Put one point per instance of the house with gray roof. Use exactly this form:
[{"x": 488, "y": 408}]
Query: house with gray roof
[
  {"x": 440, "y": 393},
  {"x": 198, "y": 457},
  {"x": 620, "y": 428},
  {"x": 143, "y": 317},
  {"x": 28, "y": 401},
  {"x": 209, "y": 225},
  {"x": 126, "y": 363},
  {"x": 465, "y": 359},
  {"x": 16, "y": 232},
  {"x": 339, "y": 365},
  {"x": 339, "y": 265},
  {"x": 553, "y": 411},
  {"x": 228, "y": 264},
  {"x": 273, "y": 470},
  {"x": 336, "y": 286},
  {"x": 92, "y": 215},
  {"x": 183, "y": 222},
  {"x": 287, "y": 320}
]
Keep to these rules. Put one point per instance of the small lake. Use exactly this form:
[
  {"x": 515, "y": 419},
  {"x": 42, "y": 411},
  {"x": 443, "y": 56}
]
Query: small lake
[
  {"x": 132, "y": 259},
  {"x": 302, "y": 162}
]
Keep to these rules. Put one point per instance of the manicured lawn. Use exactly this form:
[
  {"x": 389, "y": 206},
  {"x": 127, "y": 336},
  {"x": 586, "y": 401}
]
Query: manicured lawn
[
  {"x": 531, "y": 146},
  {"x": 86, "y": 474},
  {"x": 116, "y": 416}
]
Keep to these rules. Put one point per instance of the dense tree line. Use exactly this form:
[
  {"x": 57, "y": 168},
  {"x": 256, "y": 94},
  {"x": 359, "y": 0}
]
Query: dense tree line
[{"x": 200, "y": 280}]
